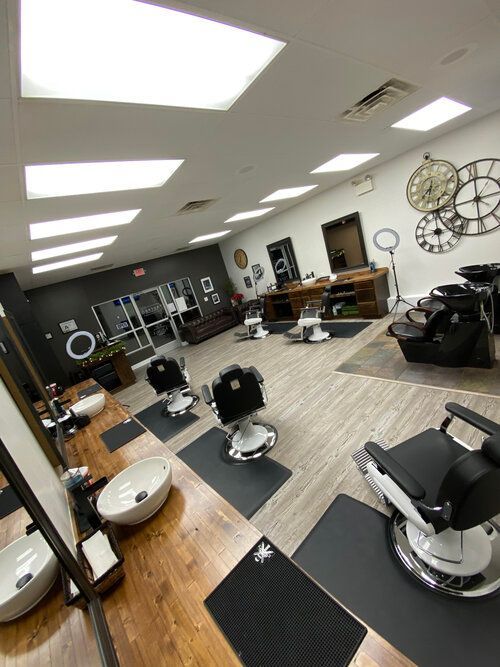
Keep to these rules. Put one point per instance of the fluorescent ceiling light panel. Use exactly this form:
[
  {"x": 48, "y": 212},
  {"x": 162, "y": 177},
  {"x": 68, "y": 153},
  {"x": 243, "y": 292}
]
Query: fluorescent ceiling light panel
[
  {"x": 37, "y": 255},
  {"x": 45, "y": 230},
  {"x": 288, "y": 193},
  {"x": 62, "y": 180},
  {"x": 207, "y": 237},
  {"x": 434, "y": 114},
  {"x": 344, "y": 162},
  {"x": 138, "y": 53},
  {"x": 66, "y": 262},
  {"x": 245, "y": 215}
]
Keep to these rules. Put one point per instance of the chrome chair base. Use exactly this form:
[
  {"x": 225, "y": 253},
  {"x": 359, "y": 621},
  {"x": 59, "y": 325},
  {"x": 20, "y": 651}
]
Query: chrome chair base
[
  {"x": 485, "y": 583},
  {"x": 233, "y": 451}
]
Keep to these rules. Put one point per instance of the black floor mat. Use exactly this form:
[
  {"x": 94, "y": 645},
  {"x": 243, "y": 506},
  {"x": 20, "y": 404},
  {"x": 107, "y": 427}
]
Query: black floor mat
[
  {"x": 246, "y": 486},
  {"x": 344, "y": 329},
  {"x": 164, "y": 427},
  {"x": 119, "y": 435},
  {"x": 9, "y": 502},
  {"x": 274, "y": 615},
  {"x": 88, "y": 391},
  {"x": 347, "y": 553},
  {"x": 279, "y": 327}
]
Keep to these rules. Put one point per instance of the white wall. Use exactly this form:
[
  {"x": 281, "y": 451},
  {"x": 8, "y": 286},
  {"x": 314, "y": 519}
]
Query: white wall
[{"x": 386, "y": 206}]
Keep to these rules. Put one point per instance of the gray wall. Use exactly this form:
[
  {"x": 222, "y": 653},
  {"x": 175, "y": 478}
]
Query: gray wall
[{"x": 73, "y": 299}]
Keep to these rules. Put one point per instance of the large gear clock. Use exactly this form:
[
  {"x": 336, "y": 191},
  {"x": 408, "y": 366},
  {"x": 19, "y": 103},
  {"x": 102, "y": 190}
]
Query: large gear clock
[{"x": 432, "y": 185}]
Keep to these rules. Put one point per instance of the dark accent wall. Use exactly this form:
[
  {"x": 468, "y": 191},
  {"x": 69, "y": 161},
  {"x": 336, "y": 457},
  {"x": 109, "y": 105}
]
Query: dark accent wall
[
  {"x": 15, "y": 303},
  {"x": 73, "y": 299}
]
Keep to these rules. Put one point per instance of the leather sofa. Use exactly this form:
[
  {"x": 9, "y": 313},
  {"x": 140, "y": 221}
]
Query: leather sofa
[{"x": 209, "y": 325}]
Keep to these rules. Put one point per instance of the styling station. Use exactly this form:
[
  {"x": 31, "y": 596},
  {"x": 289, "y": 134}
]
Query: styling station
[{"x": 249, "y": 333}]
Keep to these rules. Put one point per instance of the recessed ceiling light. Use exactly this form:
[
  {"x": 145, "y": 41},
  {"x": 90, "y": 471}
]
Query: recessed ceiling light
[
  {"x": 344, "y": 162},
  {"x": 66, "y": 262},
  {"x": 288, "y": 193},
  {"x": 37, "y": 255},
  {"x": 44, "y": 230},
  {"x": 62, "y": 180},
  {"x": 434, "y": 114},
  {"x": 245, "y": 215},
  {"x": 140, "y": 53},
  {"x": 207, "y": 237}
]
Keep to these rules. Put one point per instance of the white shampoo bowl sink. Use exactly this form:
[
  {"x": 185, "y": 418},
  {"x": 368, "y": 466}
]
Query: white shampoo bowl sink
[
  {"x": 90, "y": 406},
  {"x": 137, "y": 492},
  {"x": 29, "y": 568},
  {"x": 309, "y": 281}
]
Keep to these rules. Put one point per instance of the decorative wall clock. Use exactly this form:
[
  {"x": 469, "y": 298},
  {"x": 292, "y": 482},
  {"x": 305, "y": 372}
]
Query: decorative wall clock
[
  {"x": 477, "y": 199},
  {"x": 432, "y": 185},
  {"x": 240, "y": 258},
  {"x": 434, "y": 236}
]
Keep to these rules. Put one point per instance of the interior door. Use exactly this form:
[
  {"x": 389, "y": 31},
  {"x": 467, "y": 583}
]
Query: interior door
[{"x": 156, "y": 319}]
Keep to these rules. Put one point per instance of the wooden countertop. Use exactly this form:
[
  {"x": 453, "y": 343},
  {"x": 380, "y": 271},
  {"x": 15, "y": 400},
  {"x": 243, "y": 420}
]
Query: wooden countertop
[
  {"x": 348, "y": 278},
  {"x": 172, "y": 562}
]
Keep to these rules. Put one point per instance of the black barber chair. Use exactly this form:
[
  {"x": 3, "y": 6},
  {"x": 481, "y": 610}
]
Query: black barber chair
[
  {"x": 166, "y": 375},
  {"x": 238, "y": 393},
  {"x": 454, "y": 331},
  {"x": 446, "y": 496},
  {"x": 310, "y": 320},
  {"x": 486, "y": 273}
]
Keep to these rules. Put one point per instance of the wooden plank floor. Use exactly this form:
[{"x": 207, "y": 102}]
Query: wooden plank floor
[{"x": 322, "y": 417}]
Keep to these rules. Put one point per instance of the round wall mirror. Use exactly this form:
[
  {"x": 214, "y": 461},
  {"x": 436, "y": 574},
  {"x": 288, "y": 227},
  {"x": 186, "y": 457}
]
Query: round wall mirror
[
  {"x": 386, "y": 239},
  {"x": 80, "y": 345}
]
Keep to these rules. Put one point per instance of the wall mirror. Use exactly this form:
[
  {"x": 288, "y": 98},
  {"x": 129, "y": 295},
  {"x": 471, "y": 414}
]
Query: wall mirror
[
  {"x": 344, "y": 243},
  {"x": 283, "y": 260}
]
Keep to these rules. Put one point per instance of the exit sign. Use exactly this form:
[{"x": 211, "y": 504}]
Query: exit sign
[{"x": 139, "y": 272}]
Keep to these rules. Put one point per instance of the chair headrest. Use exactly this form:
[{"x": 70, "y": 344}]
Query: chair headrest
[
  {"x": 159, "y": 359},
  {"x": 230, "y": 373}
]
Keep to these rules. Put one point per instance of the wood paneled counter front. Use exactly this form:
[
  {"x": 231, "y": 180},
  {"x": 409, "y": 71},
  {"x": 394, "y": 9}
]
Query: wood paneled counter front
[
  {"x": 366, "y": 290},
  {"x": 172, "y": 562}
]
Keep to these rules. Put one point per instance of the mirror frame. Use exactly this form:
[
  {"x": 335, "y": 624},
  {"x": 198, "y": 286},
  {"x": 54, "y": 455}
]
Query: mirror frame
[{"x": 351, "y": 217}]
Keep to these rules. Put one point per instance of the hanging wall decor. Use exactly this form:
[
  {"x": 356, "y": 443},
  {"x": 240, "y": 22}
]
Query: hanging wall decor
[{"x": 463, "y": 202}]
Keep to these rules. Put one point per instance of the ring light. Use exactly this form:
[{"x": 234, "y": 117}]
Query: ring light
[
  {"x": 386, "y": 247},
  {"x": 73, "y": 337},
  {"x": 280, "y": 266}
]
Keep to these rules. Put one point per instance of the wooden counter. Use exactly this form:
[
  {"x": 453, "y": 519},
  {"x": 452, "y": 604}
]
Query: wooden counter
[
  {"x": 172, "y": 562},
  {"x": 366, "y": 290}
]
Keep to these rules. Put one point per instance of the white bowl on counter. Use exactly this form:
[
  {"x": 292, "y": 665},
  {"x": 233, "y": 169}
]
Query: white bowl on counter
[
  {"x": 29, "y": 568},
  {"x": 90, "y": 405},
  {"x": 137, "y": 492}
]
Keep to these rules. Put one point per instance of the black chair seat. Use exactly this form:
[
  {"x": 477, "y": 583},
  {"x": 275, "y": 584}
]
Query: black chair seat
[
  {"x": 409, "y": 331},
  {"x": 428, "y": 456}
]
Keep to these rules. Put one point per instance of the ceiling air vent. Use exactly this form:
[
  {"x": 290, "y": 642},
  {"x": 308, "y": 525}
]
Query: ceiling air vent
[
  {"x": 386, "y": 96},
  {"x": 195, "y": 206},
  {"x": 103, "y": 267}
]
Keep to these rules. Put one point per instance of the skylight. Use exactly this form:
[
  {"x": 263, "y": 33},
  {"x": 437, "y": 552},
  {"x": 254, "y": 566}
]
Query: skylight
[
  {"x": 207, "y": 237},
  {"x": 128, "y": 51},
  {"x": 436, "y": 113},
  {"x": 344, "y": 162},
  {"x": 45, "y": 230},
  {"x": 37, "y": 255},
  {"x": 61, "y": 180},
  {"x": 288, "y": 193},
  {"x": 245, "y": 215},
  {"x": 66, "y": 262}
]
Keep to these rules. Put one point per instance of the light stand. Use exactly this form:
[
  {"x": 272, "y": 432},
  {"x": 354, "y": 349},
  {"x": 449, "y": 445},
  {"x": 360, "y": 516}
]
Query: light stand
[{"x": 399, "y": 299}]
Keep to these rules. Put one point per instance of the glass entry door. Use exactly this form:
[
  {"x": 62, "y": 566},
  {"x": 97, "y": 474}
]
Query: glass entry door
[{"x": 156, "y": 319}]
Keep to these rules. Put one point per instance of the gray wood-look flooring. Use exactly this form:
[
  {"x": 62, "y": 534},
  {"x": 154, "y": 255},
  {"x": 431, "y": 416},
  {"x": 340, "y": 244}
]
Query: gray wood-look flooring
[{"x": 322, "y": 417}]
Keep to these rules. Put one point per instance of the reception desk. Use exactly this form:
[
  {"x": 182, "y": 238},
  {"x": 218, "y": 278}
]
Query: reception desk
[{"x": 363, "y": 294}]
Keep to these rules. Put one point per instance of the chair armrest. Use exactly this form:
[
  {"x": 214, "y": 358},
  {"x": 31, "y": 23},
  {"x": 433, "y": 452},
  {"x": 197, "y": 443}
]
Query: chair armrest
[
  {"x": 257, "y": 374},
  {"x": 395, "y": 471},
  {"x": 405, "y": 330},
  {"x": 427, "y": 311},
  {"x": 473, "y": 418},
  {"x": 182, "y": 363},
  {"x": 207, "y": 396}
]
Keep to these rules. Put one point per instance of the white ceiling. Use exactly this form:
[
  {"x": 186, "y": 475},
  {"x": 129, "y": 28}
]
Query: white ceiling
[{"x": 284, "y": 125}]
